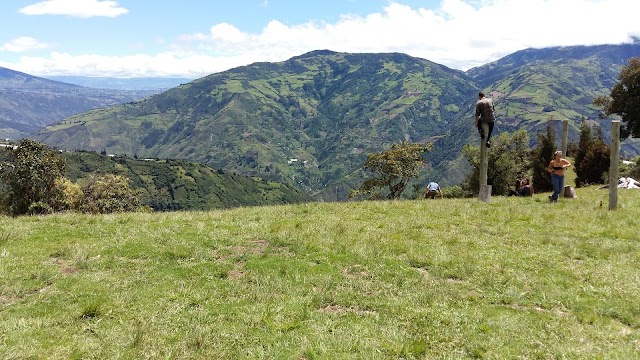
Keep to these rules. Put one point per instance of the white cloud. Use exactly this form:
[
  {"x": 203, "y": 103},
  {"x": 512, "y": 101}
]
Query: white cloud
[
  {"x": 459, "y": 34},
  {"x": 75, "y": 8},
  {"x": 139, "y": 65},
  {"x": 23, "y": 44}
]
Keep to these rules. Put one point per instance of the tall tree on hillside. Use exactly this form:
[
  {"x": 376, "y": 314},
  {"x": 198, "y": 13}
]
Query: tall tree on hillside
[
  {"x": 540, "y": 157},
  {"x": 624, "y": 99},
  {"x": 29, "y": 177},
  {"x": 592, "y": 158},
  {"x": 393, "y": 169},
  {"x": 508, "y": 161}
]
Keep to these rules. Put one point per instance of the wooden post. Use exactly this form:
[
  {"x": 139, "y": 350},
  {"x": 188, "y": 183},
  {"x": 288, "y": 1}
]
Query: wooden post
[
  {"x": 485, "y": 190},
  {"x": 614, "y": 165},
  {"x": 485, "y": 193},
  {"x": 484, "y": 160},
  {"x": 565, "y": 136}
]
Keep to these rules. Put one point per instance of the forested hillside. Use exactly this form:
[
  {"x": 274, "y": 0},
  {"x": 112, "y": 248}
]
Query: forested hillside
[{"x": 181, "y": 185}]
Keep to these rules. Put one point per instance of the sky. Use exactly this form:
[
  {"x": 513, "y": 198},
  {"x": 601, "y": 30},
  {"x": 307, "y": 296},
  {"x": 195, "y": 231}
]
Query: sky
[{"x": 194, "y": 38}]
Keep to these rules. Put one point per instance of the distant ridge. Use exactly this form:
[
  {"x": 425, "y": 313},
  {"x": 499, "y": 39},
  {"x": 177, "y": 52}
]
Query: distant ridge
[
  {"x": 140, "y": 83},
  {"x": 27, "y": 103}
]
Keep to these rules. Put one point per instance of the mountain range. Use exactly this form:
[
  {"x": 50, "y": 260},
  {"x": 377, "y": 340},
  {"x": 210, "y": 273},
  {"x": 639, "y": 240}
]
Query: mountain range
[
  {"x": 27, "y": 103},
  {"x": 158, "y": 84},
  {"x": 311, "y": 120}
]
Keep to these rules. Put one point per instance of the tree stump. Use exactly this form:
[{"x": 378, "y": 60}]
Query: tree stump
[
  {"x": 485, "y": 193},
  {"x": 570, "y": 192}
]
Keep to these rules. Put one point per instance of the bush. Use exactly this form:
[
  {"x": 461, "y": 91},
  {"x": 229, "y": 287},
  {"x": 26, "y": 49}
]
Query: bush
[
  {"x": 72, "y": 195},
  {"x": 456, "y": 192},
  {"x": 109, "y": 193},
  {"x": 39, "y": 208}
]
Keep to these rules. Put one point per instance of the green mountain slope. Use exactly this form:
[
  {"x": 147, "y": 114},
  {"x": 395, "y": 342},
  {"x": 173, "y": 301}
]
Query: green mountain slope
[
  {"x": 609, "y": 56},
  {"x": 533, "y": 87},
  {"x": 182, "y": 185},
  {"x": 27, "y": 103},
  {"x": 309, "y": 121}
]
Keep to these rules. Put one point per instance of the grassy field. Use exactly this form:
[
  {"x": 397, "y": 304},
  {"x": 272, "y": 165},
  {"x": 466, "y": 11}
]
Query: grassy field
[{"x": 451, "y": 278}]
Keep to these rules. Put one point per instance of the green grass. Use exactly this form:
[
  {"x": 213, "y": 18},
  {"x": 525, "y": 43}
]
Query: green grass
[{"x": 452, "y": 278}]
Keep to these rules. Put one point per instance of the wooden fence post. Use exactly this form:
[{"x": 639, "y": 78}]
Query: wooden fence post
[
  {"x": 485, "y": 190},
  {"x": 565, "y": 136},
  {"x": 614, "y": 164}
]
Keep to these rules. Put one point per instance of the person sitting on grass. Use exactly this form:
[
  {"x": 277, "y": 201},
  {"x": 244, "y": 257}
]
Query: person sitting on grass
[{"x": 525, "y": 188}]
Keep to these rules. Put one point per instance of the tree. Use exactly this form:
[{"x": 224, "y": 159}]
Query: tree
[
  {"x": 624, "y": 99},
  {"x": 393, "y": 169},
  {"x": 508, "y": 160},
  {"x": 592, "y": 159},
  {"x": 540, "y": 157},
  {"x": 29, "y": 177}
]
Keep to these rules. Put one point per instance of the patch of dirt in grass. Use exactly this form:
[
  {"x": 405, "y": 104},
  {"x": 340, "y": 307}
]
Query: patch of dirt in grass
[
  {"x": 355, "y": 271},
  {"x": 339, "y": 309},
  {"x": 626, "y": 331},
  {"x": 64, "y": 267},
  {"x": 254, "y": 247},
  {"x": 235, "y": 273},
  {"x": 454, "y": 280},
  {"x": 6, "y": 300},
  {"x": 68, "y": 270},
  {"x": 556, "y": 312}
]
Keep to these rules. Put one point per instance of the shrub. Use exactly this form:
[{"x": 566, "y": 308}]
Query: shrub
[
  {"x": 39, "y": 208},
  {"x": 109, "y": 193},
  {"x": 72, "y": 195},
  {"x": 456, "y": 192}
]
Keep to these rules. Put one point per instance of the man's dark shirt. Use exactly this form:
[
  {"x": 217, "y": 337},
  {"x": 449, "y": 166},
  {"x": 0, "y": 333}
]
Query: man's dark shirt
[{"x": 485, "y": 109}]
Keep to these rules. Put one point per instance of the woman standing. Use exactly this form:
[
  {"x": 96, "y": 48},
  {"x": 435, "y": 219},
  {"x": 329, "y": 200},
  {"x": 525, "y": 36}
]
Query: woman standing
[{"x": 556, "y": 169}]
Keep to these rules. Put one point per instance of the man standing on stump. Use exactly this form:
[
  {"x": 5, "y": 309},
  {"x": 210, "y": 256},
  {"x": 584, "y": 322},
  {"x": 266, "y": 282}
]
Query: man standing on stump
[{"x": 485, "y": 114}]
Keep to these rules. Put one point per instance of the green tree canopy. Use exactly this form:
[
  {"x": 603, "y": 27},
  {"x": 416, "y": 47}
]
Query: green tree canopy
[
  {"x": 592, "y": 159},
  {"x": 624, "y": 99},
  {"x": 29, "y": 176},
  {"x": 392, "y": 169},
  {"x": 540, "y": 157},
  {"x": 508, "y": 160}
]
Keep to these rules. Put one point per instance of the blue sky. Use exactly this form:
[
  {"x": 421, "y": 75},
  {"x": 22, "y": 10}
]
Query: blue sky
[{"x": 193, "y": 38}]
